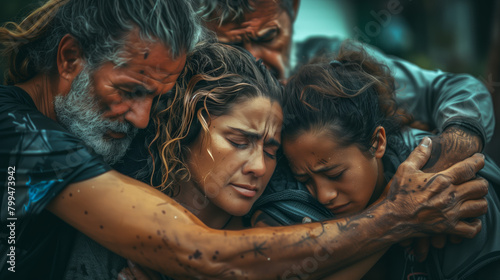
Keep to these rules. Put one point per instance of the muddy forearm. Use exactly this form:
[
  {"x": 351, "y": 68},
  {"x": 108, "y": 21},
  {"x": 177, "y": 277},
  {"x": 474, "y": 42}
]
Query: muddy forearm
[
  {"x": 296, "y": 252},
  {"x": 149, "y": 228}
]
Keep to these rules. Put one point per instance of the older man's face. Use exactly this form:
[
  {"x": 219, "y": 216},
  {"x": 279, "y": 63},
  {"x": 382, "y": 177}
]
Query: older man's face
[
  {"x": 106, "y": 106},
  {"x": 266, "y": 33}
]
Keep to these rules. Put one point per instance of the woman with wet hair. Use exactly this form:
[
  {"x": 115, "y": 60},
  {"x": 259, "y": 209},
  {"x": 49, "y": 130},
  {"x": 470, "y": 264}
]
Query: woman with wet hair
[
  {"x": 219, "y": 136},
  {"x": 344, "y": 138}
]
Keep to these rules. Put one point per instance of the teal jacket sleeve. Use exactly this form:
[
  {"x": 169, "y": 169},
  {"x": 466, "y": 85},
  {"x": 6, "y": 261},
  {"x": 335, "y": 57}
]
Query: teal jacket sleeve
[{"x": 441, "y": 99}]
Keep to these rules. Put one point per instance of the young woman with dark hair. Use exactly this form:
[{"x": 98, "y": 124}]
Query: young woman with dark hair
[{"x": 344, "y": 137}]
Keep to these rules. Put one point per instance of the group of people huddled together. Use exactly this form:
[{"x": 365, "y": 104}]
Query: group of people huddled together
[{"x": 169, "y": 139}]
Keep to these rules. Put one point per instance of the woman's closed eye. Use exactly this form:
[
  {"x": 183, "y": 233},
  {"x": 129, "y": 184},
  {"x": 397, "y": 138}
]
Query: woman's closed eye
[
  {"x": 271, "y": 153},
  {"x": 335, "y": 176},
  {"x": 239, "y": 143}
]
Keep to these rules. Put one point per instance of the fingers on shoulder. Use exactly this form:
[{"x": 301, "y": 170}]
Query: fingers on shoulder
[
  {"x": 467, "y": 229},
  {"x": 466, "y": 169},
  {"x": 474, "y": 189},
  {"x": 438, "y": 182},
  {"x": 474, "y": 208}
]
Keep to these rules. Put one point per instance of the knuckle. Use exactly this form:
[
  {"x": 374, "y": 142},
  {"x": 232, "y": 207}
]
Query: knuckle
[
  {"x": 469, "y": 171},
  {"x": 404, "y": 167},
  {"x": 442, "y": 180},
  {"x": 484, "y": 186},
  {"x": 450, "y": 199},
  {"x": 475, "y": 229},
  {"x": 484, "y": 206}
]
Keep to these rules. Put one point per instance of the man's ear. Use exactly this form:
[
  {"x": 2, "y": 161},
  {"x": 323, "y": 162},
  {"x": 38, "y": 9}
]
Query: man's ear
[
  {"x": 380, "y": 143},
  {"x": 296, "y": 4},
  {"x": 69, "y": 59}
]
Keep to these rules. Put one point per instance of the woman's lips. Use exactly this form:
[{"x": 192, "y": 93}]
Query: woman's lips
[
  {"x": 245, "y": 190},
  {"x": 339, "y": 209}
]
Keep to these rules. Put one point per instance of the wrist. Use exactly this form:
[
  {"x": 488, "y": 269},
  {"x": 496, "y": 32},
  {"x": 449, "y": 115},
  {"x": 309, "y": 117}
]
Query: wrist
[
  {"x": 392, "y": 224},
  {"x": 466, "y": 129},
  {"x": 466, "y": 136},
  {"x": 453, "y": 145}
]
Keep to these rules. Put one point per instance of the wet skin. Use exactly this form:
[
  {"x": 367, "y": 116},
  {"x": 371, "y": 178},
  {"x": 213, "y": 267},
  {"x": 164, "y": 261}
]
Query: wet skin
[
  {"x": 231, "y": 166},
  {"x": 344, "y": 179},
  {"x": 266, "y": 33},
  {"x": 126, "y": 91}
]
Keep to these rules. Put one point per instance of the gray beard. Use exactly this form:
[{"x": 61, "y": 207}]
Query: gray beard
[{"x": 78, "y": 112}]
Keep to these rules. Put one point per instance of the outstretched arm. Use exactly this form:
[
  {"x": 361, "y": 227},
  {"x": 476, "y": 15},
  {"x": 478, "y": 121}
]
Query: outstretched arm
[{"x": 147, "y": 227}]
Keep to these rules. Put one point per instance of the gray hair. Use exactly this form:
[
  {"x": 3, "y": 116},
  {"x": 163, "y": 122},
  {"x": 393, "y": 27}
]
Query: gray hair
[
  {"x": 100, "y": 26},
  {"x": 234, "y": 10}
]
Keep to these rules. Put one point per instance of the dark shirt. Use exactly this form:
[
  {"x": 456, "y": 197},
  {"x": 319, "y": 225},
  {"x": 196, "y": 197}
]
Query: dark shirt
[{"x": 38, "y": 158}]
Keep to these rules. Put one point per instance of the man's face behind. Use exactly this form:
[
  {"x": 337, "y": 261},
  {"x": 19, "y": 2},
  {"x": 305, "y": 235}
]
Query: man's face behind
[{"x": 265, "y": 32}]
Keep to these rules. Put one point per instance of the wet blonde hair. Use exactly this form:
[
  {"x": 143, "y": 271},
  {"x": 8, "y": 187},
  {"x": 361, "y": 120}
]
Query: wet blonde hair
[{"x": 216, "y": 76}]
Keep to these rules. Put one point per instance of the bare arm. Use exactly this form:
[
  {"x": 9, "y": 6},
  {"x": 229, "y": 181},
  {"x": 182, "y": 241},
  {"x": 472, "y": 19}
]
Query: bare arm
[
  {"x": 353, "y": 271},
  {"x": 147, "y": 227}
]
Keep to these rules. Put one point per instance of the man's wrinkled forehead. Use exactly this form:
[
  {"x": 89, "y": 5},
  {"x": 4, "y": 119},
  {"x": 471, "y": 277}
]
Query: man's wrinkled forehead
[
  {"x": 252, "y": 23},
  {"x": 150, "y": 62},
  {"x": 250, "y": 11}
]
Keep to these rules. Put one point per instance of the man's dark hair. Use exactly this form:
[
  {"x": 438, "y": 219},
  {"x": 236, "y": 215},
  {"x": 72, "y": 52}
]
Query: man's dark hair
[
  {"x": 100, "y": 28},
  {"x": 234, "y": 10}
]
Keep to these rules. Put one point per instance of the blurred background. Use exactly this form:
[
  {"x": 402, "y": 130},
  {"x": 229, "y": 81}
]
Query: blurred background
[{"x": 459, "y": 36}]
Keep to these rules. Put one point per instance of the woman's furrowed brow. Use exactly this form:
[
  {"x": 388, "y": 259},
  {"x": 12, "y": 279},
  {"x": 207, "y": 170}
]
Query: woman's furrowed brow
[{"x": 248, "y": 134}]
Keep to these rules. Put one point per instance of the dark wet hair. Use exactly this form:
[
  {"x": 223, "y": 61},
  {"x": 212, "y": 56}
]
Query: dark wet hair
[
  {"x": 348, "y": 95},
  {"x": 234, "y": 10},
  {"x": 216, "y": 77},
  {"x": 100, "y": 26}
]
